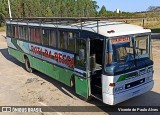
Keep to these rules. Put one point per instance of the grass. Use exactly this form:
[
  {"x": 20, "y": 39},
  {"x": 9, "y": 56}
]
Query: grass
[
  {"x": 2, "y": 29},
  {"x": 154, "y": 25},
  {"x": 155, "y": 30}
]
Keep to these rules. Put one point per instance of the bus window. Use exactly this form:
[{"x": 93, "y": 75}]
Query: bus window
[
  {"x": 16, "y": 32},
  {"x": 37, "y": 35},
  {"x": 21, "y": 32},
  {"x": 45, "y": 37},
  {"x": 32, "y": 34},
  {"x": 71, "y": 41},
  {"x": 8, "y": 30},
  {"x": 63, "y": 40},
  {"x": 141, "y": 44},
  {"x": 80, "y": 47},
  {"x": 109, "y": 54},
  {"x": 13, "y": 31},
  {"x": 120, "y": 50},
  {"x": 53, "y": 38},
  {"x": 25, "y": 33}
]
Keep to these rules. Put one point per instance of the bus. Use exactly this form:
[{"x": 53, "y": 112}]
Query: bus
[{"x": 110, "y": 61}]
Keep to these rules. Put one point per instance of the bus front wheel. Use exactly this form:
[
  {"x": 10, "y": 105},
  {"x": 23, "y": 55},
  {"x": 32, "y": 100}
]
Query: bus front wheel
[{"x": 27, "y": 65}]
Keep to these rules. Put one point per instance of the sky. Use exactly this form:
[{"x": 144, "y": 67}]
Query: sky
[{"x": 128, "y": 5}]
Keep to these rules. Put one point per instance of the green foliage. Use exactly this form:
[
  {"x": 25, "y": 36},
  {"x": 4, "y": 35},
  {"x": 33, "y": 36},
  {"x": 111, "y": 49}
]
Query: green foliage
[
  {"x": 103, "y": 12},
  {"x": 60, "y": 8},
  {"x": 49, "y": 8}
]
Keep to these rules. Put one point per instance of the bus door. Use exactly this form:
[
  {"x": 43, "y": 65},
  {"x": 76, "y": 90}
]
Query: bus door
[{"x": 81, "y": 70}]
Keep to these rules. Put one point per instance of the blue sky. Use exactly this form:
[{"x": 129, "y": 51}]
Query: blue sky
[{"x": 128, "y": 5}]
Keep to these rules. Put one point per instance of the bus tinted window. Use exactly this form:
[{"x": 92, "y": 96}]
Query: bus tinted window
[
  {"x": 32, "y": 34},
  {"x": 8, "y": 30},
  {"x": 63, "y": 40},
  {"x": 37, "y": 35},
  {"x": 71, "y": 41},
  {"x": 25, "y": 33},
  {"x": 67, "y": 40},
  {"x": 13, "y": 31},
  {"x": 45, "y": 37},
  {"x": 53, "y": 38},
  {"x": 141, "y": 45},
  {"x": 16, "y": 32},
  {"x": 21, "y": 32},
  {"x": 80, "y": 47}
]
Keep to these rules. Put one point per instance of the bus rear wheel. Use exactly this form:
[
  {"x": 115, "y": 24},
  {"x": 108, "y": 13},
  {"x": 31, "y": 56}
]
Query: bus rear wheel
[{"x": 27, "y": 65}]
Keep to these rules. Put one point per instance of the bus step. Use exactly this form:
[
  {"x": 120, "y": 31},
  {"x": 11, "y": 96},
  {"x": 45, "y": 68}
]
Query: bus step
[
  {"x": 97, "y": 96},
  {"x": 98, "y": 87}
]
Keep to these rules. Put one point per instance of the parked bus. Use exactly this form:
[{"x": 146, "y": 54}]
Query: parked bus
[{"x": 111, "y": 61}]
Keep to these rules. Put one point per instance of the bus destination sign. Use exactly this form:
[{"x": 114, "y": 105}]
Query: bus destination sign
[{"x": 120, "y": 40}]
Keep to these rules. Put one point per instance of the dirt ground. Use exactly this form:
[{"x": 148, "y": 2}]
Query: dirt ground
[{"x": 20, "y": 88}]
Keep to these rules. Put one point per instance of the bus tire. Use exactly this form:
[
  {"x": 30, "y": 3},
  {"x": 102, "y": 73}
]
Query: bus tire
[{"x": 27, "y": 65}]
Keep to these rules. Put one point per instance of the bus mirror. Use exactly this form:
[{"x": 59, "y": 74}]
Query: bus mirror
[{"x": 81, "y": 54}]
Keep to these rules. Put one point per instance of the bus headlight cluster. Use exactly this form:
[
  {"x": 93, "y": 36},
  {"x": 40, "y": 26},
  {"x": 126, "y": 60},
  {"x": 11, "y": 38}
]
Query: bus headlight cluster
[
  {"x": 148, "y": 78},
  {"x": 118, "y": 89}
]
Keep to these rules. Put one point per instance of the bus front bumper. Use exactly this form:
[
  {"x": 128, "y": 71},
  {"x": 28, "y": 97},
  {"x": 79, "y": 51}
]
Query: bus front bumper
[{"x": 120, "y": 97}]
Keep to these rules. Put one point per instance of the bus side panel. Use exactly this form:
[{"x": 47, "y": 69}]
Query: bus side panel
[
  {"x": 17, "y": 54},
  {"x": 59, "y": 73},
  {"x": 81, "y": 86},
  {"x": 51, "y": 70}
]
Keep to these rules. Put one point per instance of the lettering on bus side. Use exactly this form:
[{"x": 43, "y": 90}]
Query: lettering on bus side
[{"x": 55, "y": 55}]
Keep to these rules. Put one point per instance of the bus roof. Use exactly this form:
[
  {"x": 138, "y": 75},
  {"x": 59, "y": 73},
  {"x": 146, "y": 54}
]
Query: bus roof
[{"x": 102, "y": 27}]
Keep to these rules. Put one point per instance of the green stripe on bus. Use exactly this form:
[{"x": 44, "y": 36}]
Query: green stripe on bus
[
  {"x": 127, "y": 76},
  {"x": 59, "y": 73},
  {"x": 17, "y": 54},
  {"x": 81, "y": 86},
  {"x": 14, "y": 41}
]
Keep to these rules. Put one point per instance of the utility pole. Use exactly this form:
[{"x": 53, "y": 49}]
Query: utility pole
[{"x": 10, "y": 15}]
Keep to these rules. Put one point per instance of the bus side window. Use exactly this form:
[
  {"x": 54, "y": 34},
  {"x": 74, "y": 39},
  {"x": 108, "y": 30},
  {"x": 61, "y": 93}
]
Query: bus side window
[
  {"x": 45, "y": 36},
  {"x": 53, "y": 38},
  {"x": 80, "y": 47},
  {"x": 21, "y": 32},
  {"x": 37, "y": 35},
  {"x": 13, "y": 31},
  {"x": 8, "y": 30},
  {"x": 71, "y": 41},
  {"x": 32, "y": 34},
  {"x": 17, "y": 32},
  {"x": 26, "y": 33},
  {"x": 63, "y": 40}
]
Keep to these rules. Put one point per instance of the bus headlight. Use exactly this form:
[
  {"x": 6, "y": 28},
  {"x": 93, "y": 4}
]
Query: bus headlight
[
  {"x": 148, "y": 78},
  {"x": 118, "y": 89}
]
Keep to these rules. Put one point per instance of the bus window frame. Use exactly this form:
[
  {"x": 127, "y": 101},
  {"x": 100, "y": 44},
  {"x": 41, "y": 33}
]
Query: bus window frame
[
  {"x": 31, "y": 27},
  {"x": 86, "y": 57},
  {"x": 147, "y": 54},
  {"x": 68, "y": 30},
  {"x": 132, "y": 36},
  {"x": 110, "y": 48}
]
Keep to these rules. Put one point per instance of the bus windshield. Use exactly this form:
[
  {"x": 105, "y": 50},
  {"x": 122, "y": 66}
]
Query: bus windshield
[{"x": 121, "y": 52}]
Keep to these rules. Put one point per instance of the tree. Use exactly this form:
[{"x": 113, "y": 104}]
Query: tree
[
  {"x": 103, "y": 12},
  {"x": 50, "y": 8},
  {"x": 2, "y": 19},
  {"x": 48, "y": 12}
]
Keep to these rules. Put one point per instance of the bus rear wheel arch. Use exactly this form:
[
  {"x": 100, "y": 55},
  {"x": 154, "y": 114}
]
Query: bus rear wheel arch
[{"x": 27, "y": 64}]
